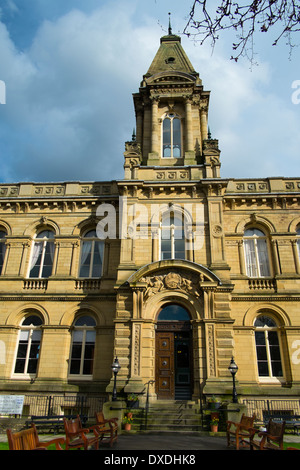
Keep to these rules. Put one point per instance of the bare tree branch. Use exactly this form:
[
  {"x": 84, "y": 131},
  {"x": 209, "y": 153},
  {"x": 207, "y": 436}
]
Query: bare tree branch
[{"x": 246, "y": 19}]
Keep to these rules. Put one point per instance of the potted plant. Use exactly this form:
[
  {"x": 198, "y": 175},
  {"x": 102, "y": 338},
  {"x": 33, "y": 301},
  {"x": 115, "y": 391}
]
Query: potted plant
[
  {"x": 132, "y": 400},
  {"x": 127, "y": 420},
  {"x": 214, "y": 424},
  {"x": 214, "y": 403}
]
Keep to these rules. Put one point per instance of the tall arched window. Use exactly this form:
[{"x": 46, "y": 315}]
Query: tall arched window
[
  {"x": 172, "y": 241},
  {"x": 267, "y": 347},
  {"x": 171, "y": 141},
  {"x": 28, "y": 352},
  {"x": 42, "y": 255},
  {"x": 256, "y": 253},
  {"x": 298, "y": 239},
  {"x": 91, "y": 259},
  {"x": 83, "y": 347},
  {"x": 2, "y": 249}
]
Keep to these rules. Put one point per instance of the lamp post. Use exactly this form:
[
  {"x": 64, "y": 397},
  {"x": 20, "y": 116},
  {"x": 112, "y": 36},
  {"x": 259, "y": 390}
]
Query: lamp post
[
  {"x": 115, "y": 368},
  {"x": 233, "y": 368}
]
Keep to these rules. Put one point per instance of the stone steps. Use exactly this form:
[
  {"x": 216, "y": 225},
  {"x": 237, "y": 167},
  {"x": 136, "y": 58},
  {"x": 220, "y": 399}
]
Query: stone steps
[{"x": 171, "y": 416}]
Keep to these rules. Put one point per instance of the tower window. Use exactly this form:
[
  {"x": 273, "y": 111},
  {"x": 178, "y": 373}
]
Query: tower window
[{"x": 171, "y": 136}]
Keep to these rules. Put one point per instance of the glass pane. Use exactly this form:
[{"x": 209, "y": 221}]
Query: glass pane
[
  {"x": 176, "y": 132},
  {"x": 262, "y": 253},
  {"x": 32, "y": 320},
  {"x": 2, "y": 252},
  {"x": 167, "y": 138},
  {"x": 179, "y": 249},
  {"x": 75, "y": 366},
  {"x": 20, "y": 366},
  {"x": 263, "y": 320},
  {"x": 85, "y": 320},
  {"x": 97, "y": 261},
  {"x": 167, "y": 131},
  {"x": 263, "y": 370},
  {"x": 91, "y": 234},
  {"x": 85, "y": 259},
  {"x": 251, "y": 267},
  {"x": 173, "y": 312},
  {"x": 253, "y": 232},
  {"x": 48, "y": 260},
  {"x": 36, "y": 259},
  {"x": 45, "y": 234},
  {"x": 22, "y": 350}
]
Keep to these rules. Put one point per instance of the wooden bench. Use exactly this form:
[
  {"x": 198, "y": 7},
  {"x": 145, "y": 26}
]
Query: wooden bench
[
  {"x": 77, "y": 436},
  {"x": 238, "y": 433},
  {"x": 53, "y": 423},
  {"x": 271, "y": 439},
  {"x": 291, "y": 420},
  {"x": 106, "y": 428},
  {"x": 28, "y": 439}
]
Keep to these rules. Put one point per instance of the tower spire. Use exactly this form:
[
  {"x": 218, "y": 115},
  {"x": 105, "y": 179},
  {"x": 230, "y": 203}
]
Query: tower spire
[{"x": 170, "y": 27}]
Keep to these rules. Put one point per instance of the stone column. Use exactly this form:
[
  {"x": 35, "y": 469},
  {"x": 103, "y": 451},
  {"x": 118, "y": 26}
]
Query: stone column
[
  {"x": 296, "y": 256},
  {"x": 189, "y": 125},
  {"x": 154, "y": 133},
  {"x": 204, "y": 130},
  {"x": 242, "y": 257}
]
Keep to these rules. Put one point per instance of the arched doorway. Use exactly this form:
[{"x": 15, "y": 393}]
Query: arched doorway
[{"x": 173, "y": 365}]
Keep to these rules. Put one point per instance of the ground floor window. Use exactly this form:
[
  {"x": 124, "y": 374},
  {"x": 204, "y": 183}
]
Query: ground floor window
[
  {"x": 83, "y": 347},
  {"x": 267, "y": 347}
]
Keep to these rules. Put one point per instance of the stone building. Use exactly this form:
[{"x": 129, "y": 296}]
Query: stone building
[{"x": 174, "y": 269}]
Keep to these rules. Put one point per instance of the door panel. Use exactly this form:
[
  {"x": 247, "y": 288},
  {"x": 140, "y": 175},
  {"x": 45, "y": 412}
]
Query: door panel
[{"x": 165, "y": 365}]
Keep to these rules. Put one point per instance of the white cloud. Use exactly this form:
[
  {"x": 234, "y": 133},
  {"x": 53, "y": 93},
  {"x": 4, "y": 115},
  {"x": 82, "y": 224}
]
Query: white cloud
[{"x": 69, "y": 100}]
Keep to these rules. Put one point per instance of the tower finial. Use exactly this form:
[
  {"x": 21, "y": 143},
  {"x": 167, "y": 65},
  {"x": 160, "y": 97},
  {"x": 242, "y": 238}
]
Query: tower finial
[{"x": 170, "y": 27}]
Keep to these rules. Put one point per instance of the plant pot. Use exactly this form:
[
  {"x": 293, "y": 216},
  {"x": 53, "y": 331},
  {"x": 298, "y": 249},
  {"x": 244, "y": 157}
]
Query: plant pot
[
  {"x": 214, "y": 405},
  {"x": 133, "y": 403},
  {"x": 127, "y": 426},
  {"x": 214, "y": 428}
]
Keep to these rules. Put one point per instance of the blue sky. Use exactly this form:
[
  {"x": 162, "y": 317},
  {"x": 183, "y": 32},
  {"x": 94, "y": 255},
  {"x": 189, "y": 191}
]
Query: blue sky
[{"x": 62, "y": 60}]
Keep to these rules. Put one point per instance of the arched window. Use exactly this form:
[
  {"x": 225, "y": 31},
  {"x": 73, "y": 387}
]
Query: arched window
[
  {"x": 173, "y": 312},
  {"x": 2, "y": 249},
  {"x": 171, "y": 141},
  {"x": 298, "y": 239},
  {"x": 83, "y": 347},
  {"x": 267, "y": 347},
  {"x": 42, "y": 255},
  {"x": 172, "y": 240},
  {"x": 256, "y": 253},
  {"x": 29, "y": 346},
  {"x": 91, "y": 259}
]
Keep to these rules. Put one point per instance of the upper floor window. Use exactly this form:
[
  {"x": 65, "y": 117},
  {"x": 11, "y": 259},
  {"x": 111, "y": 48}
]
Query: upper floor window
[
  {"x": 171, "y": 141},
  {"x": 172, "y": 241},
  {"x": 298, "y": 239},
  {"x": 256, "y": 253},
  {"x": 2, "y": 249},
  {"x": 42, "y": 255},
  {"x": 83, "y": 347},
  {"x": 267, "y": 347},
  {"x": 91, "y": 259},
  {"x": 28, "y": 352}
]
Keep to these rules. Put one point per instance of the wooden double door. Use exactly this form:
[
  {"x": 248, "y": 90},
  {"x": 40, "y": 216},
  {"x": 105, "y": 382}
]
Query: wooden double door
[{"x": 173, "y": 364}]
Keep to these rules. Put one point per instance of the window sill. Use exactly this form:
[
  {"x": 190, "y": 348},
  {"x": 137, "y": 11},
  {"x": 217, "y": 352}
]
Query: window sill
[{"x": 271, "y": 380}]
